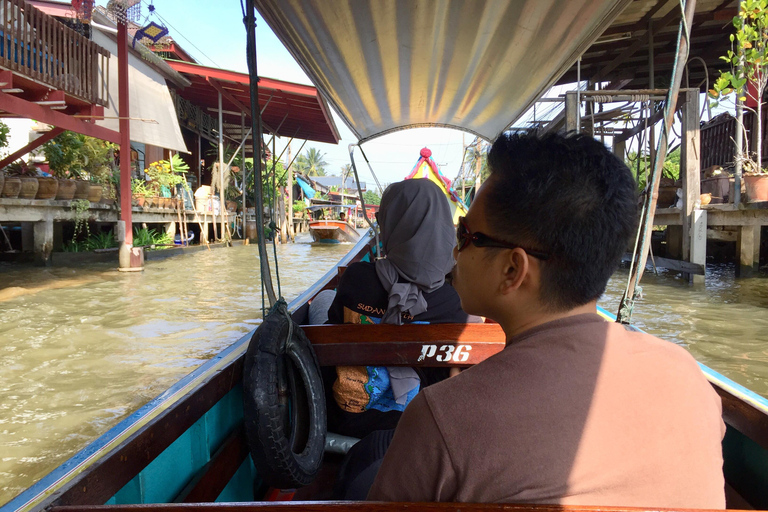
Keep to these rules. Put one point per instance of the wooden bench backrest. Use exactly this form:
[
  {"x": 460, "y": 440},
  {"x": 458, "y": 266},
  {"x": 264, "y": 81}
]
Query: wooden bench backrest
[{"x": 405, "y": 345}]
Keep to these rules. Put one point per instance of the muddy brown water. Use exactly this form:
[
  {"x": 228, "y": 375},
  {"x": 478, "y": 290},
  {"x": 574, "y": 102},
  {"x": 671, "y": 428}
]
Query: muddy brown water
[{"x": 82, "y": 348}]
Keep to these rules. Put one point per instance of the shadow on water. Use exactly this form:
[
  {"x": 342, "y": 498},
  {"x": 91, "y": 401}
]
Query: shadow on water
[{"x": 82, "y": 348}]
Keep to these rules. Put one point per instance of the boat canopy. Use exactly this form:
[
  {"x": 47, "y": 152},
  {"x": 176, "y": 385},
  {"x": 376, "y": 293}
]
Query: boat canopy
[{"x": 471, "y": 65}]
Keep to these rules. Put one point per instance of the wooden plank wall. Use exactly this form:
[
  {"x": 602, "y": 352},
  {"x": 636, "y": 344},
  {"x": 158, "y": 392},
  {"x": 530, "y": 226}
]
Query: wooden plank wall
[{"x": 35, "y": 45}]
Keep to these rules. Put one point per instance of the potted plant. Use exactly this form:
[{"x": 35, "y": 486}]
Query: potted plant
[
  {"x": 748, "y": 77},
  {"x": 165, "y": 175},
  {"x": 11, "y": 186},
  {"x": 27, "y": 176},
  {"x": 139, "y": 192}
]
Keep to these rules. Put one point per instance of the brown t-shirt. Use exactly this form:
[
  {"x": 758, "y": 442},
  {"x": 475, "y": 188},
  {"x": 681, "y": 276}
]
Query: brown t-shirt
[{"x": 577, "y": 411}]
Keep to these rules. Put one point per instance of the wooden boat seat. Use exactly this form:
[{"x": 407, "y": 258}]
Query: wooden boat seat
[{"x": 405, "y": 345}]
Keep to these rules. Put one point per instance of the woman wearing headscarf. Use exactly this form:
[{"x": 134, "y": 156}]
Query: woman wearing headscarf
[{"x": 405, "y": 285}]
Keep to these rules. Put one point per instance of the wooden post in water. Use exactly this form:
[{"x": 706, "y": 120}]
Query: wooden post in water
[
  {"x": 289, "y": 185},
  {"x": 694, "y": 219},
  {"x": 222, "y": 203}
]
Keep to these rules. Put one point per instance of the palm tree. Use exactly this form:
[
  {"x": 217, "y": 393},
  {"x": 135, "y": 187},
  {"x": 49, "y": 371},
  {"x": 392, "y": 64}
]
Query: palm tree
[
  {"x": 346, "y": 172},
  {"x": 315, "y": 165}
]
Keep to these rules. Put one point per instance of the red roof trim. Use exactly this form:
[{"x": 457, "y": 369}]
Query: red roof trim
[{"x": 242, "y": 78}]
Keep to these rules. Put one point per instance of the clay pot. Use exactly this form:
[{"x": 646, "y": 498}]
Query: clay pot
[
  {"x": 757, "y": 187},
  {"x": 29, "y": 188},
  {"x": 12, "y": 187},
  {"x": 94, "y": 193},
  {"x": 705, "y": 199},
  {"x": 66, "y": 190},
  {"x": 231, "y": 206},
  {"x": 166, "y": 202},
  {"x": 141, "y": 201},
  {"x": 47, "y": 188},
  {"x": 151, "y": 201},
  {"x": 83, "y": 189}
]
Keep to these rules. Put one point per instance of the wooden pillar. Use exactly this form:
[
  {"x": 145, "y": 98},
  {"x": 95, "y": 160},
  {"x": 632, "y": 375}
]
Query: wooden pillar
[
  {"x": 289, "y": 186},
  {"x": 222, "y": 203},
  {"x": 242, "y": 170},
  {"x": 43, "y": 245},
  {"x": 28, "y": 237},
  {"x": 619, "y": 148},
  {"x": 674, "y": 241},
  {"x": 125, "y": 144},
  {"x": 747, "y": 250},
  {"x": 198, "y": 159},
  {"x": 571, "y": 112},
  {"x": 690, "y": 172},
  {"x": 170, "y": 229}
]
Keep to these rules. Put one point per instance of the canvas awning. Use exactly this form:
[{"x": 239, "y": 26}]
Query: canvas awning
[
  {"x": 476, "y": 66},
  {"x": 149, "y": 99}
]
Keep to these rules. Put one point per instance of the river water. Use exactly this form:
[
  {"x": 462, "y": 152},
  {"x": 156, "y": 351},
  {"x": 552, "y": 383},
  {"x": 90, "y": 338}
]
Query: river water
[{"x": 82, "y": 348}]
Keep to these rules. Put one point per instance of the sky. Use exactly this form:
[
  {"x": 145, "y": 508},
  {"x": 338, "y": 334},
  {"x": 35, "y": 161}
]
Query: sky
[{"x": 213, "y": 33}]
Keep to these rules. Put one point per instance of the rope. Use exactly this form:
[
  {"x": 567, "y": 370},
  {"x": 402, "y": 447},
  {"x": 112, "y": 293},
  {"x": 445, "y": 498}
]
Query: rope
[
  {"x": 631, "y": 294},
  {"x": 360, "y": 193},
  {"x": 272, "y": 224}
]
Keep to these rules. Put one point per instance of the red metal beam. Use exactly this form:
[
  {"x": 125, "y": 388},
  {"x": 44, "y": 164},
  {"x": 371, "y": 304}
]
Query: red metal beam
[
  {"x": 31, "y": 146},
  {"x": 217, "y": 85},
  {"x": 21, "y": 107}
]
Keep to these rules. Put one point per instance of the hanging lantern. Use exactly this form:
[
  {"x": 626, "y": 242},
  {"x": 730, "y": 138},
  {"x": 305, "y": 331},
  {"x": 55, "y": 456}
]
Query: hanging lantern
[
  {"x": 153, "y": 31},
  {"x": 83, "y": 9}
]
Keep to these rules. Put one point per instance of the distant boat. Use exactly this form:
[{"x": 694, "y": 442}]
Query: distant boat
[{"x": 333, "y": 232}]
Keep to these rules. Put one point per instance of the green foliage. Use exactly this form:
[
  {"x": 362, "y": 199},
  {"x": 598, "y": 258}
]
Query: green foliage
[
  {"x": 164, "y": 176},
  {"x": 72, "y": 155},
  {"x": 101, "y": 240},
  {"x": 20, "y": 168},
  {"x": 4, "y": 130},
  {"x": 311, "y": 164},
  {"x": 145, "y": 237},
  {"x": 75, "y": 246},
  {"x": 371, "y": 197},
  {"x": 299, "y": 207},
  {"x": 80, "y": 207},
  {"x": 139, "y": 187},
  {"x": 748, "y": 62},
  {"x": 638, "y": 164}
]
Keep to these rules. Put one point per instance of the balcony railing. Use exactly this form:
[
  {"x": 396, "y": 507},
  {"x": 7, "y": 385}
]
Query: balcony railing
[{"x": 35, "y": 45}]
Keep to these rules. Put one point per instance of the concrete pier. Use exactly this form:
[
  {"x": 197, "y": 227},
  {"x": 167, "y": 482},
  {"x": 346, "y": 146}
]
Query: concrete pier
[{"x": 41, "y": 221}]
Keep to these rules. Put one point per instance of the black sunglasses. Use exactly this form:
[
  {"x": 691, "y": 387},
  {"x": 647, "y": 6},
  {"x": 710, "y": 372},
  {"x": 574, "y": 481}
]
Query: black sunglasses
[{"x": 464, "y": 236}]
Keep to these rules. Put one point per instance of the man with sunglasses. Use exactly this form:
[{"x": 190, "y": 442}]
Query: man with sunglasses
[{"x": 575, "y": 410}]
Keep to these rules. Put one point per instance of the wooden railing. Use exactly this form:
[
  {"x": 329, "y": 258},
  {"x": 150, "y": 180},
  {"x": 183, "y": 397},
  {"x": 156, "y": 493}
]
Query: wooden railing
[{"x": 35, "y": 45}]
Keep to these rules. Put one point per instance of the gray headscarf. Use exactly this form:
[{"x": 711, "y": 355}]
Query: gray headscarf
[{"x": 418, "y": 237}]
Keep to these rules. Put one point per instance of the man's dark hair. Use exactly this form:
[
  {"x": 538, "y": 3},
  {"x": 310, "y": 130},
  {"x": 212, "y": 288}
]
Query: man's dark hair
[{"x": 568, "y": 196}]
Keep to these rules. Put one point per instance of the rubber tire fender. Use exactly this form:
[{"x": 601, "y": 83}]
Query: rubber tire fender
[{"x": 275, "y": 365}]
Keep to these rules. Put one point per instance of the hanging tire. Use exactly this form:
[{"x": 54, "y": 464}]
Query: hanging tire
[{"x": 283, "y": 403}]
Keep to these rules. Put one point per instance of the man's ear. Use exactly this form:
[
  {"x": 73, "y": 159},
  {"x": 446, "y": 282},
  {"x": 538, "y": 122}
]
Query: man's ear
[{"x": 516, "y": 267}]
